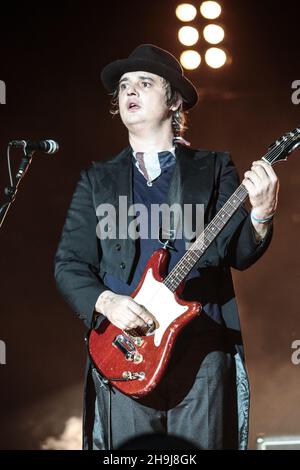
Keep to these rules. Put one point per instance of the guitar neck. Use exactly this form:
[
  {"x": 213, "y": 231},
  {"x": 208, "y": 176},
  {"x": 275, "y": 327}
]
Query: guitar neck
[
  {"x": 277, "y": 152},
  {"x": 199, "y": 247}
]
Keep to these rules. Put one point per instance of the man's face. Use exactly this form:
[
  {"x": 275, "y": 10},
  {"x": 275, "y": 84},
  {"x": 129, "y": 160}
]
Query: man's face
[{"x": 142, "y": 100}]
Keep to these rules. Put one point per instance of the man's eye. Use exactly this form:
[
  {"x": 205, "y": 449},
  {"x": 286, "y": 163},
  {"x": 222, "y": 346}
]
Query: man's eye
[
  {"x": 146, "y": 84},
  {"x": 122, "y": 86}
]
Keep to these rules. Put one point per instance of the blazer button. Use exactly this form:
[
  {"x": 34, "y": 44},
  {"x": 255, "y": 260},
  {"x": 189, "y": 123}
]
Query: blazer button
[
  {"x": 118, "y": 247},
  {"x": 122, "y": 265}
]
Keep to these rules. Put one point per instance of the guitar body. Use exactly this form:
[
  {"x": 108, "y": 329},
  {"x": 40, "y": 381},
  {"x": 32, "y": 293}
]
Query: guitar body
[{"x": 134, "y": 363}]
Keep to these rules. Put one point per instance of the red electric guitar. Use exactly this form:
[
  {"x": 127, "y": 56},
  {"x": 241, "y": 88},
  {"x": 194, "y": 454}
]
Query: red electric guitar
[{"x": 134, "y": 362}]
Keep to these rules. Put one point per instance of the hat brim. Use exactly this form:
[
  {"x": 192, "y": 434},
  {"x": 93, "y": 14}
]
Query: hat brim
[{"x": 112, "y": 73}]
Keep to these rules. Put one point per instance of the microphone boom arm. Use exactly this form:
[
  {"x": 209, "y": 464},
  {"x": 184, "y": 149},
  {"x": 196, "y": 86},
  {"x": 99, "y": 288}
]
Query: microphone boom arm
[{"x": 11, "y": 190}]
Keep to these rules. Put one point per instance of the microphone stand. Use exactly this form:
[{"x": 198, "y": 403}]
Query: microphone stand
[{"x": 11, "y": 190}]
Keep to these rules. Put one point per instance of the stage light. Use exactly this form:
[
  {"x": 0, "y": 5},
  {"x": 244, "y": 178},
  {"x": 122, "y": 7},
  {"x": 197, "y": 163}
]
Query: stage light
[
  {"x": 213, "y": 33},
  {"x": 190, "y": 59},
  {"x": 186, "y": 12},
  {"x": 215, "y": 57},
  {"x": 210, "y": 10},
  {"x": 188, "y": 35}
]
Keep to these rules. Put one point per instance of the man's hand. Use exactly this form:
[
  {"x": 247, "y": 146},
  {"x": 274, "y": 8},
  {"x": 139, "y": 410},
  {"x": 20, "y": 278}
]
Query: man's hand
[
  {"x": 262, "y": 185},
  {"x": 123, "y": 312}
]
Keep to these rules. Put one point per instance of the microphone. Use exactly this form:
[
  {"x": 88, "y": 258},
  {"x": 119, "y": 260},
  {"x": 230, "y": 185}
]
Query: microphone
[{"x": 47, "y": 146}]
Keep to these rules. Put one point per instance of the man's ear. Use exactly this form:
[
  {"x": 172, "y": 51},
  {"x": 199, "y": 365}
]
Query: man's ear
[{"x": 177, "y": 105}]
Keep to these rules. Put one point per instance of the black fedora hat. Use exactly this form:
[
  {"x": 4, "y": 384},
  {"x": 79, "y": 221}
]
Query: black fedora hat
[{"x": 153, "y": 59}]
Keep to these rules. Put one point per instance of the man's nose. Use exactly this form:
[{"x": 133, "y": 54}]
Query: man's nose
[{"x": 131, "y": 90}]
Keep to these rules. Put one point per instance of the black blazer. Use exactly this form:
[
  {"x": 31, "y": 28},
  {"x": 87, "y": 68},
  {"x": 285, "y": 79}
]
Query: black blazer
[{"x": 200, "y": 176}]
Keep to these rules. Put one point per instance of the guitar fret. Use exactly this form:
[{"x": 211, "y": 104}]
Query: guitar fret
[
  {"x": 225, "y": 210},
  {"x": 219, "y": 223}
]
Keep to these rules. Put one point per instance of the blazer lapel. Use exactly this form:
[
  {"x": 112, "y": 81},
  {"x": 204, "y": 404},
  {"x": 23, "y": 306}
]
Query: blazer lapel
[
  {"x": 113, "y": 178},
  {"x": 114, "y": 187},
  {"x": 196, "y": 170},
  {"x": 192, "y": 180}
]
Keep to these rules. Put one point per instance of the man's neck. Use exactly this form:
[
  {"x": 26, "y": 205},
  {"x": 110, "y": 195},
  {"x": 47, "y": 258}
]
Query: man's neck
[{"x": 151, "y": 142}]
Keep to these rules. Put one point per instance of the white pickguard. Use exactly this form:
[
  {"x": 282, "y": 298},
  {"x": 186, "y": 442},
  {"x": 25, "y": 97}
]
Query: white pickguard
[{"x": 160, "y": 301}]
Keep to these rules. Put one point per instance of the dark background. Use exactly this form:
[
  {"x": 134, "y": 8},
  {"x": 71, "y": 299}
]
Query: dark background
[{"x": 51, "y": 56}]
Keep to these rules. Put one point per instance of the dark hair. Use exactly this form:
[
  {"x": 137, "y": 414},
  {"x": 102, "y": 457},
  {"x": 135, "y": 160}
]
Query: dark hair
[{"x": 179, "y": 117}]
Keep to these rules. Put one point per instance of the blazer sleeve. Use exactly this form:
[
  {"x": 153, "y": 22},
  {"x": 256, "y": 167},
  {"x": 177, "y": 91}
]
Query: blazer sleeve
[
  {"x": 78, "y": 255},
  {"x": 237, "y": 244}
]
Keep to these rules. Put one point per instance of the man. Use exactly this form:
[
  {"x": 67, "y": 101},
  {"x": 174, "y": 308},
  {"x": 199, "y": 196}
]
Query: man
[{"x": 204, "y": 393}]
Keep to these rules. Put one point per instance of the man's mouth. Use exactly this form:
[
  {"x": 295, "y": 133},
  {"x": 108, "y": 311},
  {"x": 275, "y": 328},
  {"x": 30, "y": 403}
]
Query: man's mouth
[{"x": 133, "y": 106}]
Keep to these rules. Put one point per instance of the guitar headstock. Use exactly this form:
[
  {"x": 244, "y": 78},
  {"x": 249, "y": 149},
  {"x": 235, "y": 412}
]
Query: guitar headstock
[{"x": 283, "y": 146}]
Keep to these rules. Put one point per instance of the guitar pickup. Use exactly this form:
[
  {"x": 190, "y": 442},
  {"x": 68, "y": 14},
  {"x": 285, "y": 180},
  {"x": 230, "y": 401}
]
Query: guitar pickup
[{"x": 125, "y": 346}]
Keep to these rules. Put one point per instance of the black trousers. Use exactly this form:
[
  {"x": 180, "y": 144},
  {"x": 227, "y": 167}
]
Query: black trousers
[{"x": 195, "y": 400}]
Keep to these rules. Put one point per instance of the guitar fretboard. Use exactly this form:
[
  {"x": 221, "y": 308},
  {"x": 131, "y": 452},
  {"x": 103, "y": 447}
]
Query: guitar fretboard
[
  {"x": 200, "y": 245},
  {"x": 277, "y": 152}
]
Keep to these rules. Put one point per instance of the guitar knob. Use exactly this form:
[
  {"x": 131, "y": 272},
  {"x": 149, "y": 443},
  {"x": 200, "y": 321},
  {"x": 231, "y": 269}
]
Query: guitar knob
[
  {"x": 138, "y": 341},
  {"x": 137, "y": 358}
]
